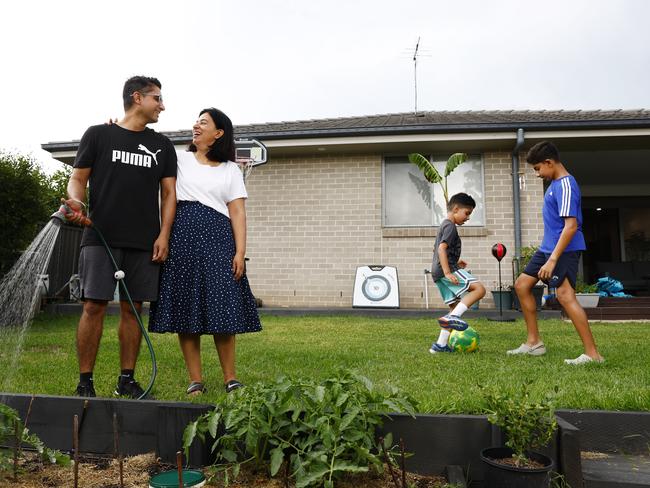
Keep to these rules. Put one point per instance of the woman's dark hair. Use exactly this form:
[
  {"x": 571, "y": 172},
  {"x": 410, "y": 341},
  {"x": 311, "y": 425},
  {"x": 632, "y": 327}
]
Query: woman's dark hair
[
  {"x": 137, "y": 84},
  {"x": 223, "y": 148},
  {"x": 541, "y": 152}
]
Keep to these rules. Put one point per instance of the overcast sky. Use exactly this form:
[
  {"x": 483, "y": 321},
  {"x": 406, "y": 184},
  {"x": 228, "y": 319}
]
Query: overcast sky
[{"x": 64, "y": 63}]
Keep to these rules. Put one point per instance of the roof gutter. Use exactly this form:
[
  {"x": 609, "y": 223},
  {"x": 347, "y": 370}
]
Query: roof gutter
[{"x": 515, "y": 193}]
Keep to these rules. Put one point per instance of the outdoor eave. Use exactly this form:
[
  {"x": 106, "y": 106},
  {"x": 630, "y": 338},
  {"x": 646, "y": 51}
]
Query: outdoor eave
[{"x": 284, "y": 139}]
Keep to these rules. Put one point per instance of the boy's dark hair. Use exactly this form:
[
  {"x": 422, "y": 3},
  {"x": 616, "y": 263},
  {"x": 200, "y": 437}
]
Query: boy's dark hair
[
  {"x": 223, "y": 149},
  {"x": 136, "y": 84},
  {"x": 541, "y": 152},
  {"x": 461, "y": 200}
]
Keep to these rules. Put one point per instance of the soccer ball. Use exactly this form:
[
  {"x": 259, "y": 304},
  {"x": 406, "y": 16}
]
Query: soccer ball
[{"x": 464, "y": 341}]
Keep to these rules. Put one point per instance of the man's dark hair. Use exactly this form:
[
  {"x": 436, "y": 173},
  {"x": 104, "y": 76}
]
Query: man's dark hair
[
  {"x": 461, "y": 200},
  {"x": 541, "y": 152},
  {"x": 137, "y": 84},
  {"x": 223, "y": 149}
]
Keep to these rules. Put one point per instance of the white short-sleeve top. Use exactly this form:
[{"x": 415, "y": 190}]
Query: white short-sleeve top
[{"x": 214, "y": 186}]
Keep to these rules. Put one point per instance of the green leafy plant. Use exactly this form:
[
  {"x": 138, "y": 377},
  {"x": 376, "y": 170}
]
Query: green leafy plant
[
  {"x": 317, "y": 430},
  {"x": 582, "y": 287},
  {"x": 526, "y": 423},
  {"x": 526, "y": 254},
  {"x": 11, "y": 427},
  {"x": 432, "y": 175}
]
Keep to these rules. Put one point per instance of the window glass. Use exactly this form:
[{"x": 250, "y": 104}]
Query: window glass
[{"x": 410, "y": 200}]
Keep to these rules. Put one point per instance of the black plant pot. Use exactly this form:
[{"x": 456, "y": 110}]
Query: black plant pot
[
  {"x": 506, "y": 476},
  {"x": 538, "y": 293}
]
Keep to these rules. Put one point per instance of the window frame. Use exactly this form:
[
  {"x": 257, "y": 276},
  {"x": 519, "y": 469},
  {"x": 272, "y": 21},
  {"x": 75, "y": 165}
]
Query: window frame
[{"x": 432, "y": 157}]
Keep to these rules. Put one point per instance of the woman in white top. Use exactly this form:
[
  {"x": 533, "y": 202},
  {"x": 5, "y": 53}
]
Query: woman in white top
[{"x": 203, "y": 284}]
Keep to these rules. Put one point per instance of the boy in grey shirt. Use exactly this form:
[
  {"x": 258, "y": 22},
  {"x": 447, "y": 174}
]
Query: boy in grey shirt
[{"x": 448, "y": 271}]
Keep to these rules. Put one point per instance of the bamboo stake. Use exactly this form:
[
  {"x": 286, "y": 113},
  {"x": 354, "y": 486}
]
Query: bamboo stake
[
  {"x": 116, "y": 450},
  {"x": 390, "y": 467},
  {"x": 179, "y": 464},
  {"x": 16, "y": 448},
  {"x": 401, "y": 446},
  {"x": 75, "y": 447}
]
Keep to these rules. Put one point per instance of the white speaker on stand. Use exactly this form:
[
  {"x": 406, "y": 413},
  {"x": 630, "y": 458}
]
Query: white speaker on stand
[{"x": 376, "y": 286}]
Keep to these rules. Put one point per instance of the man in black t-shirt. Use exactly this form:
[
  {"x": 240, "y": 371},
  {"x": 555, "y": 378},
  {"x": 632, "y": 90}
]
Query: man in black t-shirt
[{"x": 127, "y": 167}]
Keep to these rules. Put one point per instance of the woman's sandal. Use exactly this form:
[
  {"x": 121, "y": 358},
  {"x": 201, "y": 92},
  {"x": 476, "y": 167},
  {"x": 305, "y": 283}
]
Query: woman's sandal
[
  {"x": 232, "y": 385},
  {"x": 196, "y": 388}
]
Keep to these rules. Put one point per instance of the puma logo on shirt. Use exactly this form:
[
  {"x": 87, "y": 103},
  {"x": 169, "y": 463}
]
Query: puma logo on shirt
[
  {"x": 153, "y": 155},
  {"x": 136, "y": 159}
]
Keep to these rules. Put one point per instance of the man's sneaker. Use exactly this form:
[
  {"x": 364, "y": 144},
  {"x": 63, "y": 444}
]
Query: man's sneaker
[
  {"x": 129, "y": 388},
  {"x": 583, "y": 359},
  {"x": 86, "y": 390},
  {"x": 436, "y": 348},
  {"x": 233, "y": 385},
  {"x": 537, "y": 350},
  {"x": 450, "y": 321}
]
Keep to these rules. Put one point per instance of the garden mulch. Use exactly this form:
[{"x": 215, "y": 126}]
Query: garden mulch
[{"x": 95, "y": 472}]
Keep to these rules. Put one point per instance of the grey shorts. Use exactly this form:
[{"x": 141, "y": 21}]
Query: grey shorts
[{"x": 96, "y": 274}]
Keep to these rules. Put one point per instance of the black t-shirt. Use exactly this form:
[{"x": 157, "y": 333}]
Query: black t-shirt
[
  {"x": 124, "y": 183},
  {"x": 448, "y": 233}
]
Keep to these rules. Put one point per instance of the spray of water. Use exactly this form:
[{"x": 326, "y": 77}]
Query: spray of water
[{"x": 20, "y": 296}]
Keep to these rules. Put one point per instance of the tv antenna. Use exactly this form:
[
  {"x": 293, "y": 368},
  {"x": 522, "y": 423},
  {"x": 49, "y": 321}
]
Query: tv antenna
[
  {"x": 417, "y": 53},
  {"x": 415, "y": 75}
]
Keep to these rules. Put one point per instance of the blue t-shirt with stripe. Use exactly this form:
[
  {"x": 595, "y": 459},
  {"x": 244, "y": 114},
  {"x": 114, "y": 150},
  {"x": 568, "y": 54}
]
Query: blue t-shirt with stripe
[{"x": 561, "y": 200}]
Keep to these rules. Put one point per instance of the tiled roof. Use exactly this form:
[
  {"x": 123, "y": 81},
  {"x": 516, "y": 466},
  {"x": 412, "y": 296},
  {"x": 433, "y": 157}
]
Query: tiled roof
[
  {"x": 436, "y": 122},
  {"x": 428, "y": 122}
]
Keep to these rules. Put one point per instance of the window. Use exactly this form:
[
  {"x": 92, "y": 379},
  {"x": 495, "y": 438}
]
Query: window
[{"x": 409, "y": 200}]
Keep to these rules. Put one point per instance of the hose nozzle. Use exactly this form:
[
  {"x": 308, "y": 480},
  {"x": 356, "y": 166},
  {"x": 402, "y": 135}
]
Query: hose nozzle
[
  {"x": 59, "y": 215},
  {"x": 66, "y": 214}
]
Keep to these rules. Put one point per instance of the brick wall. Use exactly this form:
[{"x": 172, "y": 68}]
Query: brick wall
[{"x": 313, "y": 220}]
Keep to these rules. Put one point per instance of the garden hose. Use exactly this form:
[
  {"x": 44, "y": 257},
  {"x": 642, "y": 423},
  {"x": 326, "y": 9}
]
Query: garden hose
[{"x": 119, "y": 275}]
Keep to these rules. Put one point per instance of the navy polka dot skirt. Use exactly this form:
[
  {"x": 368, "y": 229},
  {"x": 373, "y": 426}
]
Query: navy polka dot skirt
[{"x": 198, "y": 294}]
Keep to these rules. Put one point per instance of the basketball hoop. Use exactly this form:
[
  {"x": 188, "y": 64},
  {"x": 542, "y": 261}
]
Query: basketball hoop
[{"x": 249, "y": 153}]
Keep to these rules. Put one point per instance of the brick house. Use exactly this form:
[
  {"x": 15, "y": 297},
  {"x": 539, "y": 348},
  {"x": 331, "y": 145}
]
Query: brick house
[{"x": 339, "y": 193}]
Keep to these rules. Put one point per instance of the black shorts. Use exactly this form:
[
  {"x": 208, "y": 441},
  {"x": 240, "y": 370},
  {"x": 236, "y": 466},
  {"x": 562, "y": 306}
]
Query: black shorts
[
  {"x": 566, "y": 267},
  {"x": 96, "y": 274}
]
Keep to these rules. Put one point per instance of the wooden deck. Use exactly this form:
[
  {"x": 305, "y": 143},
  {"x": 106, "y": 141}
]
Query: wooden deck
[{"x": 635, "y": 308}]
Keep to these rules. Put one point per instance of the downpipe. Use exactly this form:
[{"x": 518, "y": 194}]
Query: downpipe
[
  {"x": 62, "y": 216},
  {"x": 515, "y": 197}
]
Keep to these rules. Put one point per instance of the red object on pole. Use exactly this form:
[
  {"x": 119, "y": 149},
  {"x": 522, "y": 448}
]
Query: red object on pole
[{"x": 499, "y": 251}]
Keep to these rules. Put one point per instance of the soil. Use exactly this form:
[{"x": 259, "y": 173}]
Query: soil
[
  {"x": 510, "y": 461},
  {"x": 95, "y": 472}
]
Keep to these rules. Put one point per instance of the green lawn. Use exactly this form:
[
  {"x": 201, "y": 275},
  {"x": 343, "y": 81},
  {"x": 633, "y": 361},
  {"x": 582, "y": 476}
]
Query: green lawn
[{"x": 388, "y": 351}]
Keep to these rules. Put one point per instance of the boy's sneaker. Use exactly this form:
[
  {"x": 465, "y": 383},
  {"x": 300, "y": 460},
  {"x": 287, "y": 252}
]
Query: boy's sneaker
[
  {"x": 450, "y": 321},
  {"x": 86, "y": 390},
  {"x": 129, "y": 388},
  {"x": 436, "y": 348},
  {"x": 537, "y": 350},
  {"x": 583, "y": 359}
]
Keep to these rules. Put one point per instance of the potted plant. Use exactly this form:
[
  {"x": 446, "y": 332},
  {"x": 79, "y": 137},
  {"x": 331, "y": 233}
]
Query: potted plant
[
  {"x": 527, "y": 253},
  {"x": 502, "y": 297},
  {"x": 587, "y": 295},
  {"x": 526, "y": 424}
]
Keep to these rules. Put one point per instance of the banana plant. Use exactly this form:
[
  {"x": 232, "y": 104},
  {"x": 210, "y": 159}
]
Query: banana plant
[{"x": 431, "y": 173}]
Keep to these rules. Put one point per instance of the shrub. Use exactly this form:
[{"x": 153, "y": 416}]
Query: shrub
[
  {"x": 27, "y": 200},
  {"x": 319, "y": 431},
  {"x": 527, "y": 424}
]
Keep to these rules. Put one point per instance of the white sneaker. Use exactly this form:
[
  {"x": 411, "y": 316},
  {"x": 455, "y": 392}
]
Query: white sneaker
[
  {"x": 537, "y": 350},
  {"x": 583, "y": 359}
]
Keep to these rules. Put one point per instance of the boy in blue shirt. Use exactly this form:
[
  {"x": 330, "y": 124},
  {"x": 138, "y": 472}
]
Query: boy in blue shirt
[
  {"x": 556, "y": 261},
  {"x": 448, "y": 271}
]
